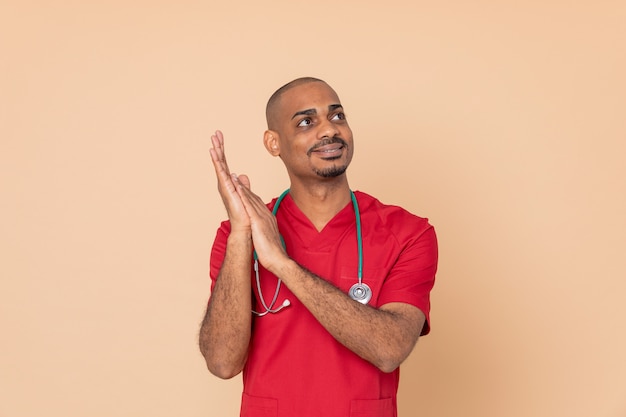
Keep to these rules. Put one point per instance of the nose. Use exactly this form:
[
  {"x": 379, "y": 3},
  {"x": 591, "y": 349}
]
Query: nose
[{"x": 327, "y": 129}]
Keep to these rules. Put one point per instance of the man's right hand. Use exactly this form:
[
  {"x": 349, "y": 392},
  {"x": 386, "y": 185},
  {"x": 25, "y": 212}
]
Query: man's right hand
[{"x": 239, "y": 219}]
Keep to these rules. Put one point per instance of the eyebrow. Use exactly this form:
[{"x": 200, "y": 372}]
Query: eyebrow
[{"x": 312, "y": 112}]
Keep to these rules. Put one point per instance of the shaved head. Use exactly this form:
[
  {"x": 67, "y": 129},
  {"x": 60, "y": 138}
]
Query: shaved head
[{"x": 272, "y": 103}]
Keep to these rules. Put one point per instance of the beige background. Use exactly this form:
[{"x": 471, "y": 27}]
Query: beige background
[{"x": 502, "y": 122}]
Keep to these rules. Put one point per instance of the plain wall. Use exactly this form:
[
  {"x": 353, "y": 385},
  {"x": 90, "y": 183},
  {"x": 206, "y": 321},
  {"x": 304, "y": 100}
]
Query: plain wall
[{"x": 502, "y": 122}]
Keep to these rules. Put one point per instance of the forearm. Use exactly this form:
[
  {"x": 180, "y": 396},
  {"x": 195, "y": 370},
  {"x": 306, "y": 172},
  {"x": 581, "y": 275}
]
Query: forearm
[
  {"x": 225, "y": 331},
  {"x": 383, "y": 337}
]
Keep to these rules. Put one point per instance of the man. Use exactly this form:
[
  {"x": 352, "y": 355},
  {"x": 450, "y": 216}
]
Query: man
[{"x": 315, "y": 345}]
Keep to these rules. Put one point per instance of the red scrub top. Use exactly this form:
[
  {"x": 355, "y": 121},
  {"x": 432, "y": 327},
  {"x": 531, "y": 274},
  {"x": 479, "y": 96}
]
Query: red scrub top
[{"x": 295, "y": 368}]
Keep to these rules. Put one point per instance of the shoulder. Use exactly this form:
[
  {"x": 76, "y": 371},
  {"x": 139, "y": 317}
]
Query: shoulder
[{"x": 389, "y": 217}]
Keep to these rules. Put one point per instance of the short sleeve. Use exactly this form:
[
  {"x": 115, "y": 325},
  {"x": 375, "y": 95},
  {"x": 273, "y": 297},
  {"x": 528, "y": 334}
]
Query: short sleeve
[{"x": 413, "y": 275}]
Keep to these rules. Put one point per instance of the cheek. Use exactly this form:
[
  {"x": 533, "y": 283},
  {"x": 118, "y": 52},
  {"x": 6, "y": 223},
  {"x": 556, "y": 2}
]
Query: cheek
[{"x": 294, "y": 154}]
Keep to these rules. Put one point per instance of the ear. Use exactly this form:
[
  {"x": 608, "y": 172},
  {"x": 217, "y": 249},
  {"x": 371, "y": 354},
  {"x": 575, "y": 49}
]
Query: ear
[{"x": 270, "y": 140}]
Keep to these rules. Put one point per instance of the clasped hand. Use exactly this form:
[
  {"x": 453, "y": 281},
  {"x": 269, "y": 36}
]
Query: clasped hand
[{"x": 246, "y": 211}]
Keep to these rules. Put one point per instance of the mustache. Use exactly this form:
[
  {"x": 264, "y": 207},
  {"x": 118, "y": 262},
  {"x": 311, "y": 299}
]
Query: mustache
[{"x": 327, "y": 141}]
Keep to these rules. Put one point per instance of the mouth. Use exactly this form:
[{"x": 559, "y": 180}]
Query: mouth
[
  {"x": 329, "y": 152},
  {"x": 329, "y": 149}
]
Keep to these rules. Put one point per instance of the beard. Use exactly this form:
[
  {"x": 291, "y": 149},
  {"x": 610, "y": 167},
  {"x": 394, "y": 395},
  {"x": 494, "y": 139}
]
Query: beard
[{"x": 331, "y": 172}]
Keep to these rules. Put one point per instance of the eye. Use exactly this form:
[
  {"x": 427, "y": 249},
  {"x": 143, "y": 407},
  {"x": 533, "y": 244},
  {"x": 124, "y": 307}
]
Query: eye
[
  {"x": 339, "y": 116},
  {"x": 305, "y": 122}
]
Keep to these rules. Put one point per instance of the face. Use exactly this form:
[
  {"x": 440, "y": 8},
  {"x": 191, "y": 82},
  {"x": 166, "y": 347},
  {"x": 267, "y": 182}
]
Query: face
[{"x": 311, "y": 133}]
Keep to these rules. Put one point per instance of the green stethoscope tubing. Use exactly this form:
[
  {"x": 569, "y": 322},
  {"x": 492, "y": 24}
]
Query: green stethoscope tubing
[{"x": 359, "y": 292}]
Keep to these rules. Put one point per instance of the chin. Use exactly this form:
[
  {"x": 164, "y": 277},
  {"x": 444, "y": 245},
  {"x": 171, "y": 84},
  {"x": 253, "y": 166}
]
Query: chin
[{"x": 332, "y": 172}]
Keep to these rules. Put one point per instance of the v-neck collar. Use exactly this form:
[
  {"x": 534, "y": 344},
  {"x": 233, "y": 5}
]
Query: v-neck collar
[{"x": 306, "y": 231}]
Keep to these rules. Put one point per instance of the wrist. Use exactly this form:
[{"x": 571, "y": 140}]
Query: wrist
[
  {"x": 240, "y": 238},
  {"x": 240, "y": 233},
  {"x": 282, "y": 266}
]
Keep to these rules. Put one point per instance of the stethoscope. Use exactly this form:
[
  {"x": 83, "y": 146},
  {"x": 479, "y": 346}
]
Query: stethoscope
[{"x": 360, "y": 291}]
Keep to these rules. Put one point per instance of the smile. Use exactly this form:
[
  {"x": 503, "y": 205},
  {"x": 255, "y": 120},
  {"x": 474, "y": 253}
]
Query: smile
[
  {"x": 331, "y": 148},
  {"x": 329, "y": 151}
]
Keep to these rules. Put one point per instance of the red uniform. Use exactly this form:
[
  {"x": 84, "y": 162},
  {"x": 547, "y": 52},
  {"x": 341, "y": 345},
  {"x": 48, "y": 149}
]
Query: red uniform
[{"x": 295, "y": 368}]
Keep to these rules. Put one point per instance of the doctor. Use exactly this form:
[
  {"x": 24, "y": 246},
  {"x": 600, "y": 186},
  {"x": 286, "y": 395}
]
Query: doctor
[{"x": 341, "y": 292}]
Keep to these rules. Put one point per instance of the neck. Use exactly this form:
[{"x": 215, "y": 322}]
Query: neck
[{"x": 322, "y": 202}]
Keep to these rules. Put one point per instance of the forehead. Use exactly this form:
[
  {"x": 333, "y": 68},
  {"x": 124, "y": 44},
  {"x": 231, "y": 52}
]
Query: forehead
[{"x": 313, "y": 95}]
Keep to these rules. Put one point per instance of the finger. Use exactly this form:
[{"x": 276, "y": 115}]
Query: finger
[
  {"x": 217, "y": 142},
  {"x": 221, "y": 169},
  {"x": 242, "y": 185},
  {"x": 218, "y": 157},
  {"x": 244, "y": 180},
  {"x": 219, "y": 138},
  {"x": 220, "y": 135},
  {"x": 253, "y": 203}
]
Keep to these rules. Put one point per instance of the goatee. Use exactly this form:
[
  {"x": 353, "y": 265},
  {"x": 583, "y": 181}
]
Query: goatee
[{"x": 331, "y": 172}]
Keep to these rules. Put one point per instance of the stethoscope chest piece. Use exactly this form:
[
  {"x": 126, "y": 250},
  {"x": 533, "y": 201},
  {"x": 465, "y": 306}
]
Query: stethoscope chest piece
[{"x": 360, "y": 292}]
